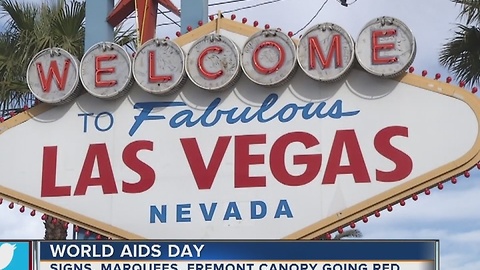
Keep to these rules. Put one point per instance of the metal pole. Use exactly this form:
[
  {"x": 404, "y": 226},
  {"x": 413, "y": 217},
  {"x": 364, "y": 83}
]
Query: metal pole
[
  {"x": 97, "y": 29},
  {"x": 193, "y": 11}
]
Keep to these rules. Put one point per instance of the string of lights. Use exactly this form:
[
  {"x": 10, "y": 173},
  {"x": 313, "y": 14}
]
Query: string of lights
[
  {"x": 226, "y": 2},
  {"x": 345, "y": 3},
  {"x": 171, "y": 20},
  {"x": 232, "y": 10},
  {"x": 168, "y": 23},
  {"x": 313, "y": 18},
  {"x": 164, "y": 13},
  {"x": 252, "y": 6}
]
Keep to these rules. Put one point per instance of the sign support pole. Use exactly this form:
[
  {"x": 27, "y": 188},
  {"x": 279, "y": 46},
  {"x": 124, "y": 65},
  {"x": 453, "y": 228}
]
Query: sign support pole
[
  {"x": 192, "y": 12},
  {"x": 97, "y": 29}
]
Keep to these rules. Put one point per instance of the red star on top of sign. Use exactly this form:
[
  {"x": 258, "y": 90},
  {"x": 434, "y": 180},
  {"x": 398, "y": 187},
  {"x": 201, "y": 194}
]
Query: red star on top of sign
[{"x": 146, "y": 15}]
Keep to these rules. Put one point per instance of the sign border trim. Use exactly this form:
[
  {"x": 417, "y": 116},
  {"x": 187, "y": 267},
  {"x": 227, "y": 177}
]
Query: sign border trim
[{"x": 329, "y": 224}]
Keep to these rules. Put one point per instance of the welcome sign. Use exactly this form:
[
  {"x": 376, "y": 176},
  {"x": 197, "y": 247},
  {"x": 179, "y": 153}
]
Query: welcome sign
[{"x": 219, "y": 134}]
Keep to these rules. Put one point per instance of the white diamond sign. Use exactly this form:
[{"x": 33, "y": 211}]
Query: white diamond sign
[{"x": 296, "y": 160}]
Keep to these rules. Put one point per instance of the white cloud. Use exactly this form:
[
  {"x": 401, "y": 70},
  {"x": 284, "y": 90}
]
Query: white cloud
[
  {"x": 467, "y": 237},
  {"x": 16, "y": 225},
  {"x": 441, "y": 205},
  {"x": 456, "y": 260},
  {"x": 450, "y": 215}
]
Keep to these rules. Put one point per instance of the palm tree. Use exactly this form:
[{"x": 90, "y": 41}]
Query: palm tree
[
  {"x": 461, "y": 54},
  {"x": 30, "y": 28},
  {"x": 55, "y": 229},
  {"x": 349, "y": 234},
  {"x": 345, "y": 234}
]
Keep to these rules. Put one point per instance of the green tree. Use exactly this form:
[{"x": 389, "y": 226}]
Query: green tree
[
  {"x": 354, "y": 233},
  {"x": 350, "y": 233},
  {"x": 461, "y": 54},
  {"x": 30, "y": 28}
]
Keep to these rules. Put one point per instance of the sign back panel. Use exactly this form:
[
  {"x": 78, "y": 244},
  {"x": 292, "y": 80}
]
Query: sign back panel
[{"x": 293, "y": 161}]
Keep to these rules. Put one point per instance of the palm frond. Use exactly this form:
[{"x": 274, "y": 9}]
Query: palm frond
[
  {"x": 126, "y": 37},
  {"x": 21, "y": 16},
  {"x": 32, "y": 27},
  {"x": 349, "y": 233},
  {"x": 470, "y": 10},
  {"x": 68, "y": 28},
  {"x": 461, "y": 54}
]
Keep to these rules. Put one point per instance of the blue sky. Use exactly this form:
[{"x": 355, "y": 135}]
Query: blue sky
[{"x": 452, "y": 214}]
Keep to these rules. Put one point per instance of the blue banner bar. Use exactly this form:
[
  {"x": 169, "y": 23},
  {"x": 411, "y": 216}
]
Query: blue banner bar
[{"x": 238, "y": 250}]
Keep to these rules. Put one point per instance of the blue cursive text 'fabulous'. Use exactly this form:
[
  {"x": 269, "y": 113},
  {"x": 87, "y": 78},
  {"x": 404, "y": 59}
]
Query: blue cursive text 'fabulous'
[{"x": 212, "y": 115}]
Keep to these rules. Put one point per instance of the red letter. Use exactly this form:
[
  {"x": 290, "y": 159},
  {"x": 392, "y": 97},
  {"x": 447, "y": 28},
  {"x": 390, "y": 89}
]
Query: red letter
[
  {"x": 204, "y": 175},
  {"x": 53, "y": 72},
  {"x": 152, "y": 77},
  {"x": 49, "y": 175},
  {"x": 203, "y": 70},
  {"x": 146, "y": 173},
  {"x": 377, "y": 47},
  {"x": 105, "y": 177},
  {"x": 316, "y": 50},
  {"x": 277, "y": 159},
  {"x": 403, "y": 163},
  {"x": 243, "y": 160},
  {"x": 256, "y": 55},
  {"x": 99, "y": 70},
  {"x": 356, "y": 167}
]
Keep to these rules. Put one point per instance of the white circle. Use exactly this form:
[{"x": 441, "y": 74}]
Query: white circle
[
  {"x": 213, "y": 63},
  {"x": 168, "y": 61},
  {"x": 399, "y": 51},
  {"x": 325, "y": 37},
  {"x": 46, "y": 77},
  {"x": 116, "y": 65},
  {"x": 275, "y": 54}
]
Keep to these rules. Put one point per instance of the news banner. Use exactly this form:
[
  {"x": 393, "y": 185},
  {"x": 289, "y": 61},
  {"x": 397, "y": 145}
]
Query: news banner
[{"x": 219, "y": 255}]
